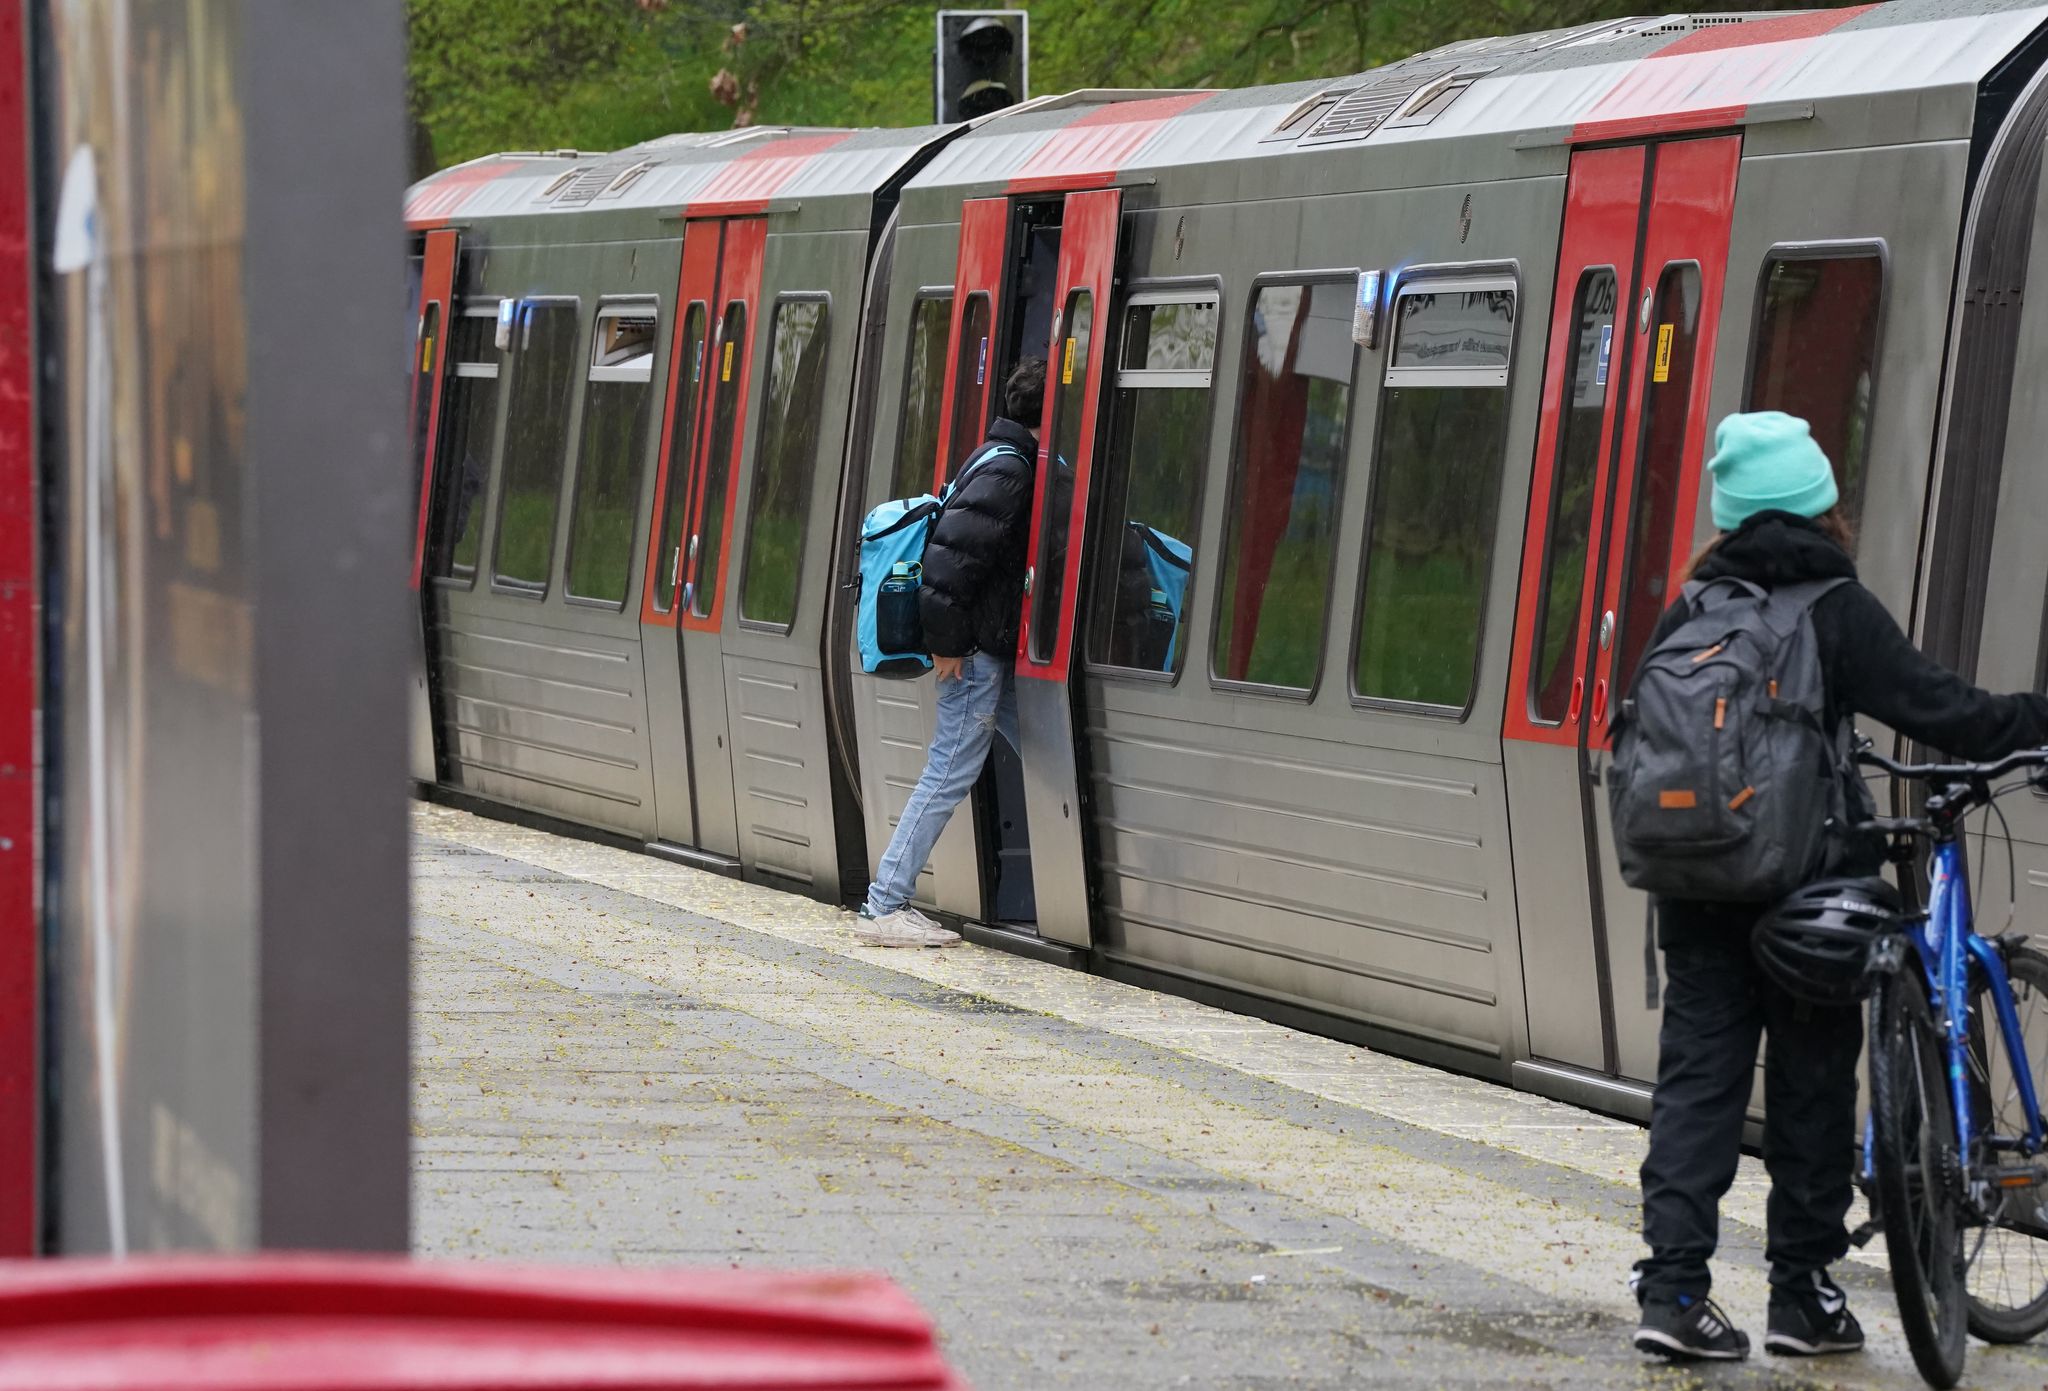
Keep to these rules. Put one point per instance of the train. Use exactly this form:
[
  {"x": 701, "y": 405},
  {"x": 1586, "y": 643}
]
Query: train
[{"x": 1373, "y": 446}]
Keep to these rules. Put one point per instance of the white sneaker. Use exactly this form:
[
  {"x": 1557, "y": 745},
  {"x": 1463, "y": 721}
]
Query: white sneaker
[{"x": 906, "y": 927}]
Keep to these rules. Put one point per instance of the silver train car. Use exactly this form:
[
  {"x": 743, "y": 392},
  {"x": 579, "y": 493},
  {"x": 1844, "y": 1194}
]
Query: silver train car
[{"x": 1373, "y": 445}]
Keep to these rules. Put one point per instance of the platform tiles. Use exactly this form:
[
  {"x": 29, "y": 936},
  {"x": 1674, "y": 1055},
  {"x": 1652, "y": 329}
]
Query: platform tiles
[{"x": 1086, "y": 1184}]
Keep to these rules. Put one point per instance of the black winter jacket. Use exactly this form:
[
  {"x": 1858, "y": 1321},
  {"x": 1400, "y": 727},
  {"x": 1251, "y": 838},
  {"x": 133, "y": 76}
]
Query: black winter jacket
[
  {"x": 974, "y": 562},
  {"x": 1870, "y": 668}
]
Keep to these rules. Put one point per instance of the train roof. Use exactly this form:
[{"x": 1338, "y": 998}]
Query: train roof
[{"x": 1825, "y": 70}]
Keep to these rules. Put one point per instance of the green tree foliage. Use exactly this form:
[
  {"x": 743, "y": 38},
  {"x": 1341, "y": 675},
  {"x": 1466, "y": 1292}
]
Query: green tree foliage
[{"x": 598, "y": 74}]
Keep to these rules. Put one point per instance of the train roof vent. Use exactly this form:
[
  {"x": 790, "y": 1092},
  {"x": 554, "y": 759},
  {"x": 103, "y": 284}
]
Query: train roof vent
[
  {"x": 1365, "y": 110},
  {"x": 627, "y": 177},
  {"x": 589, "y": 181}
]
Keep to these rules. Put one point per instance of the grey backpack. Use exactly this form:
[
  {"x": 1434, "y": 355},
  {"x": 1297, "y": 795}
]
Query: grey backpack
[{"x": 1726, "y": 785}]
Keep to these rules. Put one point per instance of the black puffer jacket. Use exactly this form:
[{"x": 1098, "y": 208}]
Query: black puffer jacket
[
  {"x": 974, "y": 562},
  {"x": 1871, "y": 668}
]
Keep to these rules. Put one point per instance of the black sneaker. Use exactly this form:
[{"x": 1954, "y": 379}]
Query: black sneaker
[
  {"x": 1690, "y": 1328},
  {"x": 1808, "y": 1320}
]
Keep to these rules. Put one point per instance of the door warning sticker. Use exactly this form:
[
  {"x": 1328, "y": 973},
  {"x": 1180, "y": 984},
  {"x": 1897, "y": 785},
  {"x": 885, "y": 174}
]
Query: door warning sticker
[
  {"x": 1663, "y": 369},
  {"x": 725, "y": 368},
  {"x": 1067, "y": 368}
]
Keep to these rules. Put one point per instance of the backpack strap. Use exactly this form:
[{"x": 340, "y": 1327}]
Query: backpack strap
[
  {"x": 981, "y": 456},
  {"x": 1695, "y": 591}
]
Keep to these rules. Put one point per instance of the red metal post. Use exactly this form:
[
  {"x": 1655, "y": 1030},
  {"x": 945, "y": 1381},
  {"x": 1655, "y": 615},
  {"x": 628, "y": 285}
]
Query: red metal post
[{"x": 19, "y": 944}]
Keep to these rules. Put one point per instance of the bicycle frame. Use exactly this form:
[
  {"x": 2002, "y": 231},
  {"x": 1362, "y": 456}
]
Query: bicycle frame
[{"x": 1945, "y": 945}]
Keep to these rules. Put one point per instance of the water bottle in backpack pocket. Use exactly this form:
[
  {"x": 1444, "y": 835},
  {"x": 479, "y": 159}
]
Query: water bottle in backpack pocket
[{"x": 1726, "y": 785}]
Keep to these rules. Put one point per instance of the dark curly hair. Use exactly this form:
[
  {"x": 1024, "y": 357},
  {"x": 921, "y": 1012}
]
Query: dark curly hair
[{"x": 1024, "y": 392}]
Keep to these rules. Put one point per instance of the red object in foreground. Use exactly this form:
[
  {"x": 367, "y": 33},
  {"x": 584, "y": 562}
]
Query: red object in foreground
[{"x": 339, "y": 1323}]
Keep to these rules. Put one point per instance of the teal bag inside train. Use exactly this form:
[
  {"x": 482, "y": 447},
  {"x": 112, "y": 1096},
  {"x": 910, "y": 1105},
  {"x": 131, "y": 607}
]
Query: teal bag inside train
[{"x": 887, "y": 625}]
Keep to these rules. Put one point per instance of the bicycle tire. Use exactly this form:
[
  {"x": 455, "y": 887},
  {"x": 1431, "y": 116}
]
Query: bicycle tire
[
  {"x": 1913, "y": 1124},
  {"x": 2022, "y": 1230}
]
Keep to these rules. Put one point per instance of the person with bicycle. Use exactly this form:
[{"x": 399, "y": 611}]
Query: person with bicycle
[{"x": 1777, "y": 508}]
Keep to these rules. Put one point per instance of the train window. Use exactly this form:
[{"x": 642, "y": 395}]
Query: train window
[
  {"x": 1069, "y": 374},
  {"x": 1294, "y": 414},
  {"x": 1660, "y": 463},
  {"x": 1815, "y": 351},
  {"x": 1436, "y": 492},
  {"x": 785, "y": 460},
  {"x": 469, "y": 415},
  {"x": 617, "y": 408},
  {"x": 924, "y": 384},
  {"x": 536, "y": 439},
  {"x": 971, "y": 371},
  {"x": 1570, "y": 511},
  {"x": 1157, "y": 452},
  {"x": 683, "y": 411},
  {"x": 707, "y": 540}
]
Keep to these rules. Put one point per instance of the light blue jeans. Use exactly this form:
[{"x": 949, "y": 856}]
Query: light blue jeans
[{"x": 972, "y": 711}]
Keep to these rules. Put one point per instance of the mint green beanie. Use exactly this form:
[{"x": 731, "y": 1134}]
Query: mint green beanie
[{"x": 1766, "y": 461}]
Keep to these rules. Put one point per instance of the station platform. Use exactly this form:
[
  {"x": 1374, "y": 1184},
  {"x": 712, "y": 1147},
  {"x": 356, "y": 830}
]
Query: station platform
[{"x": 1084, "y": 1183}]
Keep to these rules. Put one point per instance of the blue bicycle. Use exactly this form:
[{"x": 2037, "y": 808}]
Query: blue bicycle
[{"x": 1955, "y": 1156}]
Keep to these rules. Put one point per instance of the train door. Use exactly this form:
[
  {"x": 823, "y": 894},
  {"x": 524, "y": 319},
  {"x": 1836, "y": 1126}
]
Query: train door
[
  {"x": 1053, "y": 787},
  {"x": 904, "y": 713},
  {"x": 668, "y": 722},
  {"x": 1617, "y": 478},
  {"x": 707, "y": 532},
  {"x": 429, "y": 373}
]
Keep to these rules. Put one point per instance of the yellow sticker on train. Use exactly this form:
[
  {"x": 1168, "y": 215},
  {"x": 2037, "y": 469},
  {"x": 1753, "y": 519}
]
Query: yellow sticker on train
[
  {"x": 1067, "y": 368},
  {"x": 1663, "y": 371},
  {"x": 725, "y": 370}
]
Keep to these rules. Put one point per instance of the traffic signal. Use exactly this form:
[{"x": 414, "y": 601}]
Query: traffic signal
[{"x": 983, "y": 62}]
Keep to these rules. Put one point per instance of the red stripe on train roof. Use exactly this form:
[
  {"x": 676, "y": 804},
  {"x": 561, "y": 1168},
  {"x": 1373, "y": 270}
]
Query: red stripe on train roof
[
  {"x": 1089, "y": 152},
  {"x": 434, "y": 203},
  {"x": 1708, "y": 78},
  {"x": 745, "y": 185},
  {"x": 1779, "y": 29}
]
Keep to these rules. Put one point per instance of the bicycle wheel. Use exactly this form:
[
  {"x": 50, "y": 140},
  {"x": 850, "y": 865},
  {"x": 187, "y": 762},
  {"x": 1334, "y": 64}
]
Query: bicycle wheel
[
  {"x": 2007, "y": 1277},
  {"x": 1918, "y": 1175}
]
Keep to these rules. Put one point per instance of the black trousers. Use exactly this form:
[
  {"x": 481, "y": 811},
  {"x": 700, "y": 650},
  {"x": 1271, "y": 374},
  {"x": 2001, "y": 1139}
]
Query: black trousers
[{"x": 1716, "y": 1005}]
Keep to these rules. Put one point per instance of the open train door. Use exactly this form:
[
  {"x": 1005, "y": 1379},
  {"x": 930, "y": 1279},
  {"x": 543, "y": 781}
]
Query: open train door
[
  {"x": 429, "y": 373},
  {"x": 1054, "y": 788},
  {"x": 1641, "y": 274}
]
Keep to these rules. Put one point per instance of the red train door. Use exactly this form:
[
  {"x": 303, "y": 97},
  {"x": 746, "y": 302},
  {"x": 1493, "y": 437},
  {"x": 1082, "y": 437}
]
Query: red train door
[
  {"x": 1616, "y": 483},
  {"x": 1053, "y": 794},
  {"x": 707, "y": 534},
  {"x": 966, "y": 407},
  {"x": 696, "y": 308},
  {"x": 437, "y": 312}
]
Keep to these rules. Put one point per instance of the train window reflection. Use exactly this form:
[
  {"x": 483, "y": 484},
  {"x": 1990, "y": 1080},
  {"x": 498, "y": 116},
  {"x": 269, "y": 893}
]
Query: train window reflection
[
  {"x": 1667, "y": 398},
  {"x": 784, "y": 461},
  {"x": 924, "y": 384},
  {"x": 1570, "y": 512},
  {"x": 1068, "y": 370},
  {"x": 972, "y": 365},
  {"x": 469, "y": 419},
  {"x": 1436, "y": 492},
  {"x": 536, "y": 441},
  {"x": 707, "y": 535},
  {"x": 1815, "y": 354},
  {"x": 1157, "y": 453},
  {"x": 1294, "y": 413},
  {"x": 683, "y": 412},
  {"x": 617, "y": 411}
]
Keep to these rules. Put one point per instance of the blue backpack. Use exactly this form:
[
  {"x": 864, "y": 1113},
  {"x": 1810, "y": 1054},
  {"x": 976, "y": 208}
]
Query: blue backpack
[
  {"x": 887, "y": 625},
  {"x": 1169, "y": 561}
]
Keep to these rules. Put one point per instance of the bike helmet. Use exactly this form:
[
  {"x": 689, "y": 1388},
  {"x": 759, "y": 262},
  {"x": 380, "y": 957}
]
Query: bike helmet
[{"x": 1816, "y": 943}]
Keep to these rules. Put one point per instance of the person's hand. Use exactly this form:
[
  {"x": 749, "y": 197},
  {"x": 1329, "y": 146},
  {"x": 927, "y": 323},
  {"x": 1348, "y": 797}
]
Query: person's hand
[{"x": 948, "y": 668}]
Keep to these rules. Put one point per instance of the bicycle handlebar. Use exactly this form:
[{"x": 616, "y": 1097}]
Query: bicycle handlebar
[{"x": 1955, "y": 772}]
